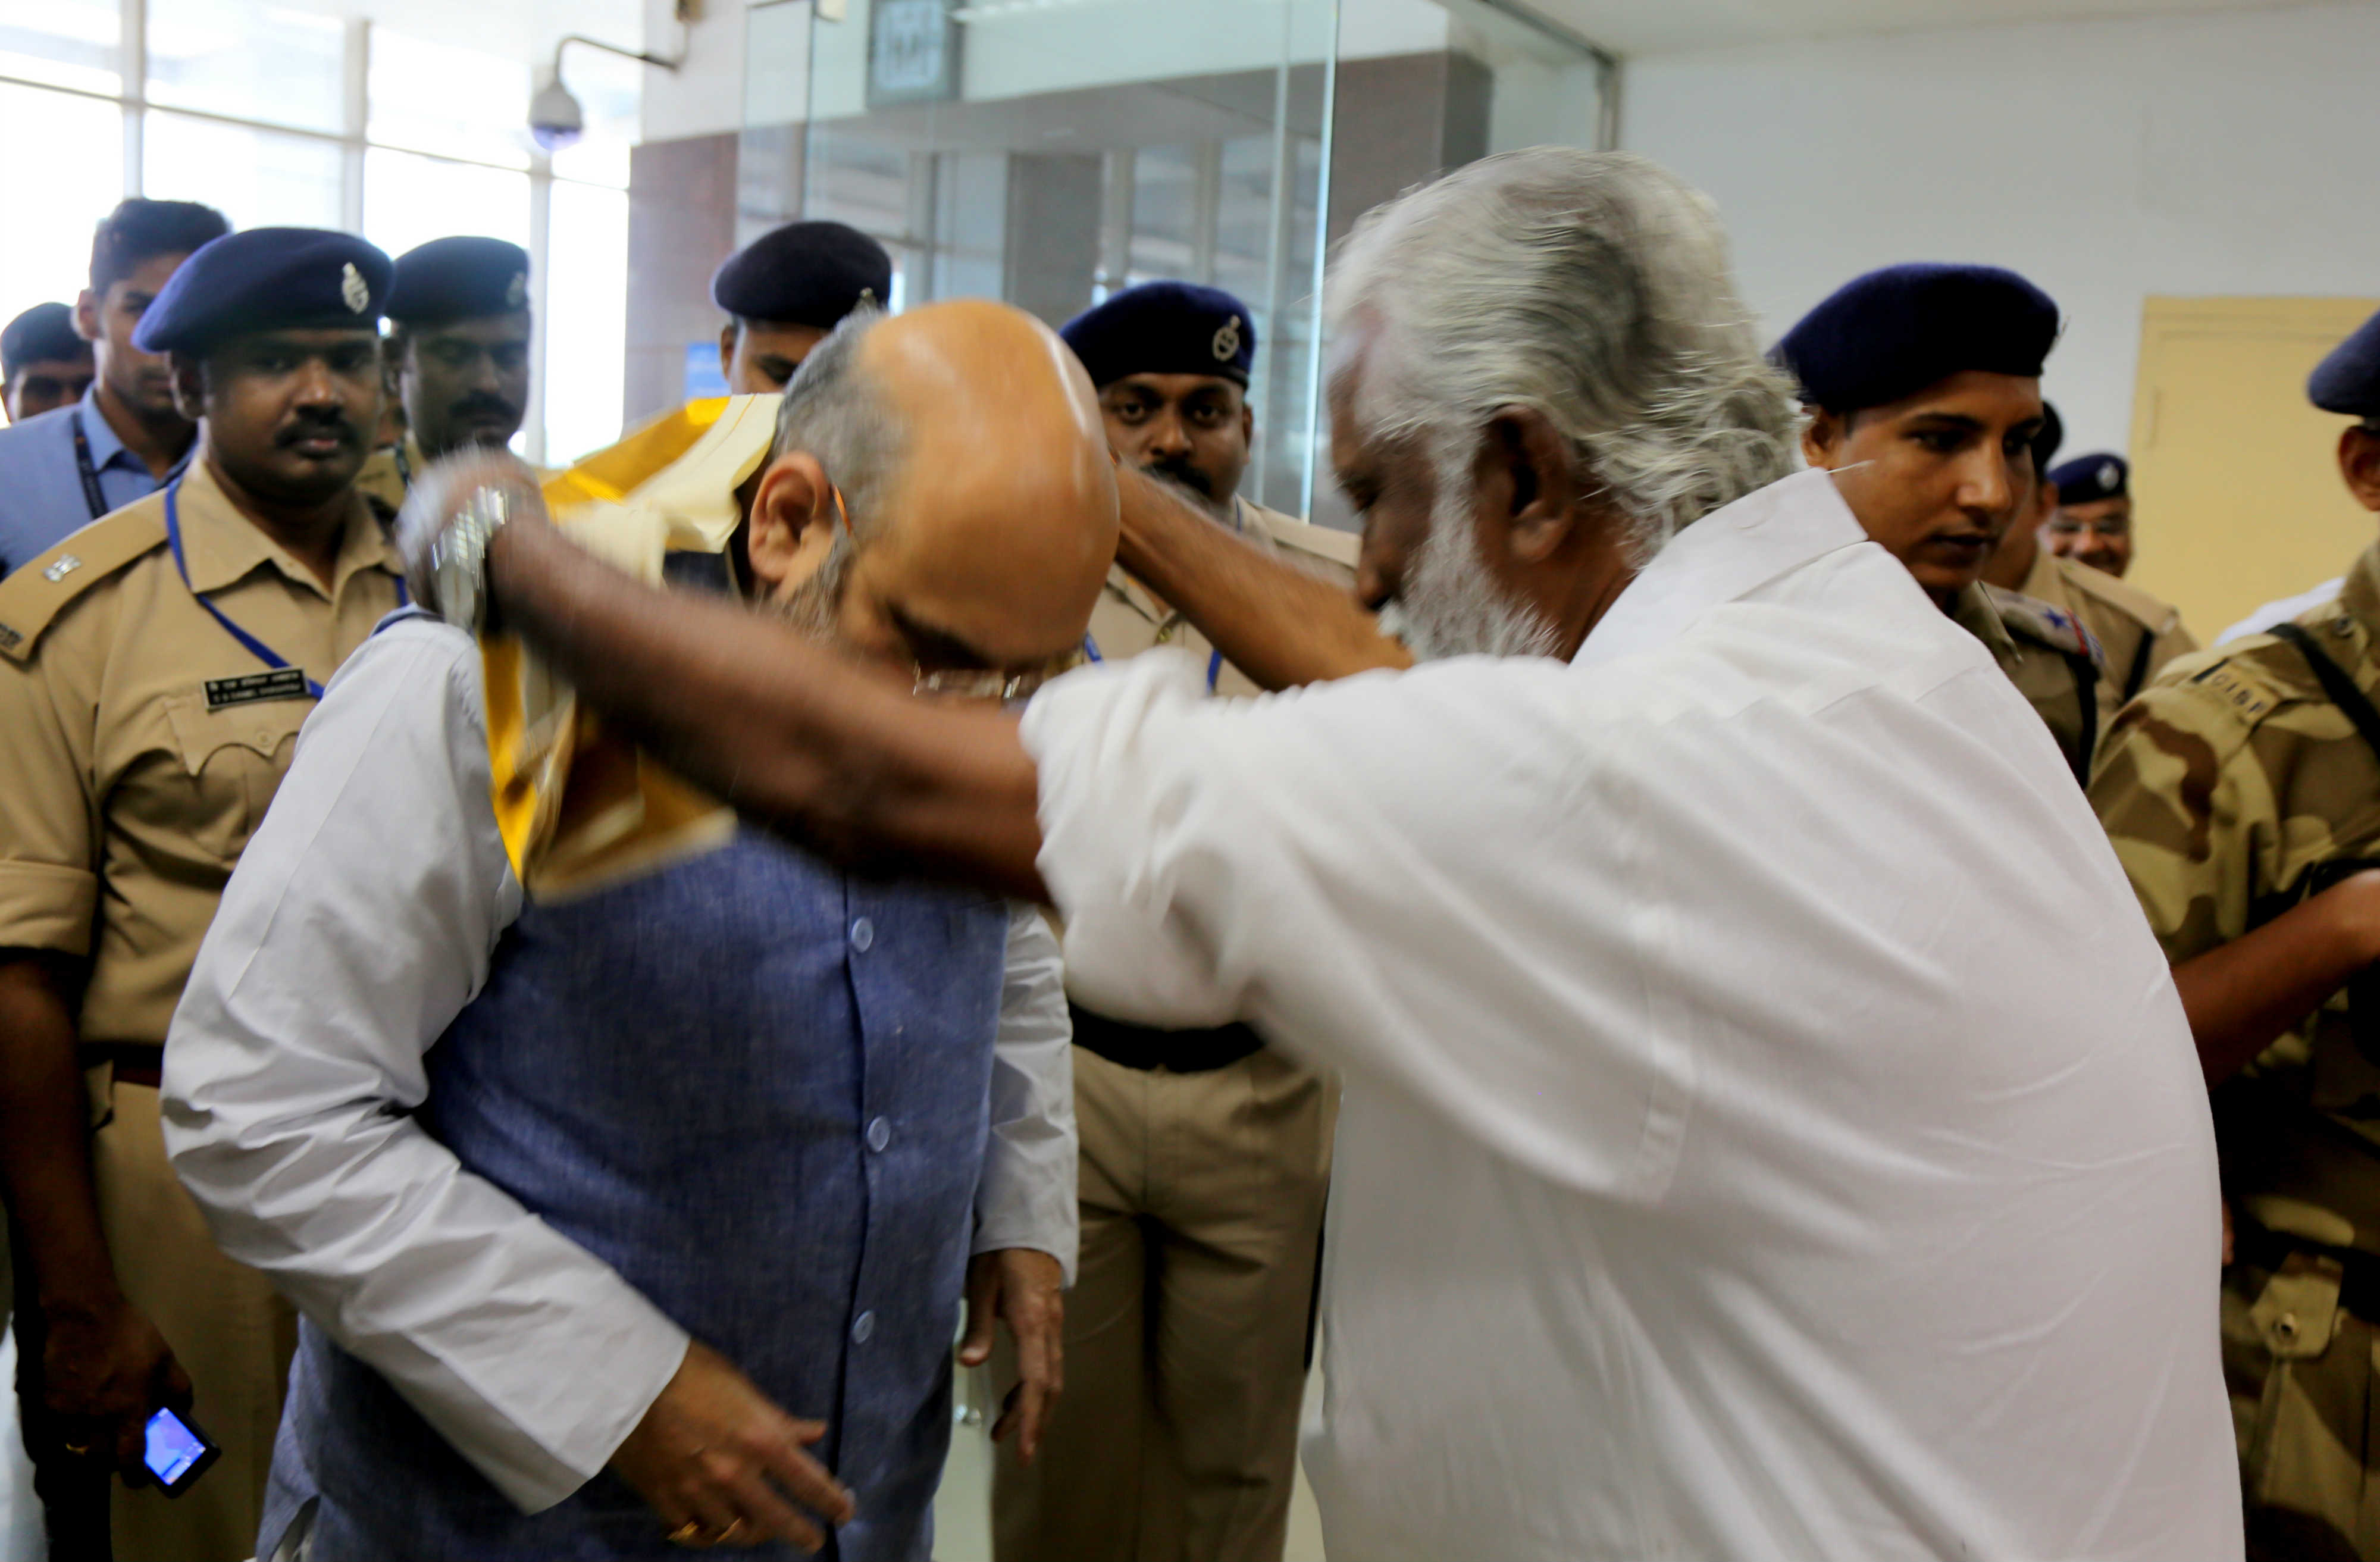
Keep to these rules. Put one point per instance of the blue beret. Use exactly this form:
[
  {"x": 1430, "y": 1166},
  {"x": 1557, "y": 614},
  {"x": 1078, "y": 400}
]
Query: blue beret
[
  {"x": 459, "y": 278},
  {"x": 804, "y": 274},
  {"x": 1164, "y": 328},
  {"x": 44, "y": 334},
  {"x": 1892, "y": 333},
  {"x": 266, "y": 279},
  {"x": 2086, "y": 479},
  {"x": 2348, "y": 380}
]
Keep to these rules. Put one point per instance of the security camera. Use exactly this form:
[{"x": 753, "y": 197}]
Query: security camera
[{"x": 555, "y": 117}]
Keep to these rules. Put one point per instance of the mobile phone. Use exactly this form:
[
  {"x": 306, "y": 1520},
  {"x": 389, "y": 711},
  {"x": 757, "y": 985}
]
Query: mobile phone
[{"x": 177, "y": 1453}]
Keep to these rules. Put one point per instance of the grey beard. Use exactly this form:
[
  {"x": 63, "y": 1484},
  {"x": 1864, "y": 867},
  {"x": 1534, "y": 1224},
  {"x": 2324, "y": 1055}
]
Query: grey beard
[
  {"x": 1453, "y": 607},
  {"x": 812, "y": 607}
]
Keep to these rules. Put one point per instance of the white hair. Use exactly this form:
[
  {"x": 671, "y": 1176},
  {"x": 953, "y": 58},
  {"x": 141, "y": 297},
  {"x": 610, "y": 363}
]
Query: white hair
[{"x": 1593, "y": 287}]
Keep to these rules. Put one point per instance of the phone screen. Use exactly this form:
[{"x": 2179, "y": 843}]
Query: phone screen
[{"x": 176, "y": 1453}]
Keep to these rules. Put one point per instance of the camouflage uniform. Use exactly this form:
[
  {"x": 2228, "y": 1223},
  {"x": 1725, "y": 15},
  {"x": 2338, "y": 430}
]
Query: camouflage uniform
[
  {"x": 2052, "y": 661},
  {"x": 2222, "y": 786}
]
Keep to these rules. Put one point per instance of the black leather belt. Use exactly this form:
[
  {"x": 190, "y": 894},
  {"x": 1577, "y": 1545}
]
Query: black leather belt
[{"x": 1176, "y": 1052}]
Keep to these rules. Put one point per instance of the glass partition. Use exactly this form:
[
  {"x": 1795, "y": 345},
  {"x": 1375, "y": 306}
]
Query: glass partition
[{"x": 1052, "y": 151}]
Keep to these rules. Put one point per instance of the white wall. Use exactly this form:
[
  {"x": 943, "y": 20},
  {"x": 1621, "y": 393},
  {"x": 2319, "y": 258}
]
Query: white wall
[{"x": 2107, "y": 161}]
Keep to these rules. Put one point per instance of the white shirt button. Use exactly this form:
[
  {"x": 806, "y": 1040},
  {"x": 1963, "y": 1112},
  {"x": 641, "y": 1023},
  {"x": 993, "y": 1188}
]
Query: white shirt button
[
  {"x": 863, "y": 1328},
  {"x": 879, "y": 1134},
  {"x": 863, "y": 933}
]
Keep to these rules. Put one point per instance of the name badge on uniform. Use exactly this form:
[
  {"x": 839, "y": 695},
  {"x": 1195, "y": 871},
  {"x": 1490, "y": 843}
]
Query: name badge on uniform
[{"x": 282, "y": 683}]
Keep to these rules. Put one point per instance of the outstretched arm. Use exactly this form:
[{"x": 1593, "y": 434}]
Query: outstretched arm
[
  {"x": 1270, "y": 619},
  {"x": 2242, "y": 994},
  {"x": 838, "y": 757}
]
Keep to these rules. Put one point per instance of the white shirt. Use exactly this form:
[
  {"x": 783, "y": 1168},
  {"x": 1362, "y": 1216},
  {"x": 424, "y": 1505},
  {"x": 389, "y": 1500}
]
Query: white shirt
[
  {"x": 1769, "y": 1129},
  {"x": 361, "y": 922},
  {"x": 2281, "y": 610}
]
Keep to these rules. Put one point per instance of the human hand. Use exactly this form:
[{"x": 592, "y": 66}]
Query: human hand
[
  {"x": 717, "y": 1461},
  {"x": 106, "y": 1369},
  {"x": 1024, "y": 1289},
  {"x": 441, "y": 533}
]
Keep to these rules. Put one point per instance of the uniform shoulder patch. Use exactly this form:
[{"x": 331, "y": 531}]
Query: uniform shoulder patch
[
  {"x": 32, "y": 597},
  {"x": 2031, "y": 618},
  {"x": 1324, "y": 543},
  {"x": 2245, "y": 682},
  {"x": 2130, "y": 601}
]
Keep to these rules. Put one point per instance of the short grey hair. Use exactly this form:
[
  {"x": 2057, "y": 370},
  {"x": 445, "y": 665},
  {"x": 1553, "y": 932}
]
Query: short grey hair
[
  {"x": 1593, "y": 287},
  {"x": 840, "y": 415}
]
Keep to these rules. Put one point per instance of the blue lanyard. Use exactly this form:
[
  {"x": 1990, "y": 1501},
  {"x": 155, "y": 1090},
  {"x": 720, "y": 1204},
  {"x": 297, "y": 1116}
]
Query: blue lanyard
[
  {"x": 254, "y": 646},
  {"x": 1214, "y": 662}
]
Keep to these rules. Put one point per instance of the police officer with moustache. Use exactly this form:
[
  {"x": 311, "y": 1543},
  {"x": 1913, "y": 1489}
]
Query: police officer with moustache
[
  {"x": 2243, "y": 794},
  {"x": 2137, "y": 633},
  {"x": 459, "y": 346},
  {"x": 43, "y": 364},
  {"x": 1923, "y": 386},
  {"x": 68, "y": 468},
  {"x": 1205, "y": 1155},
  {"x": 154, "y": 669},
  {"x": 785, "y": 290}
]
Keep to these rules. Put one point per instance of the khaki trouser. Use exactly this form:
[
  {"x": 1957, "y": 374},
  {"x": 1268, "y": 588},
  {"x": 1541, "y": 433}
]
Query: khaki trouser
[
  {"x": 1176, "y": 1437},
  {"x": 232, "y": 1333}
]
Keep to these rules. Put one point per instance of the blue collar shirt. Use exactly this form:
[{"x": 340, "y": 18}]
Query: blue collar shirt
[{"x": 42, "y": 498}]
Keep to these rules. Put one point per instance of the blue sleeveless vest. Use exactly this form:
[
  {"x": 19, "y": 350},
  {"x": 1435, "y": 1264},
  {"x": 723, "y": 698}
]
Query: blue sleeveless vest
[{"x": 759, "y": 1091}]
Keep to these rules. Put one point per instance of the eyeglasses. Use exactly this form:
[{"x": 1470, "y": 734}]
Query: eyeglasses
[{"x": 989, "y": 683}]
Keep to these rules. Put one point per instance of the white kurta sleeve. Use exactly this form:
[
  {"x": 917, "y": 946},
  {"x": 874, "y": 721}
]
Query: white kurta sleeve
[
  {"x": 361, "y": 920},
  {"x": 1363, "y": 870},
  {"x": 1026, "y": 1198}
]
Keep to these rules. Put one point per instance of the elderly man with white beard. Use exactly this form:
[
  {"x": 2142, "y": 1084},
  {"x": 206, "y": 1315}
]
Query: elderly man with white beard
[{"x": 1704, "y": 1188}]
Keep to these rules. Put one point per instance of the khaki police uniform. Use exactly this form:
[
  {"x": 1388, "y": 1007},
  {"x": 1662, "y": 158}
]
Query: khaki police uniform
[
  {"x": 2232, "y": 787},
  {"x": 2054, "y": 663},
  {"x": 1177, "y": 1439},
  {"x": 144, "y": 744},
  {"x": 388, "y": 473},
  {"x": 2137, "y": 634}
]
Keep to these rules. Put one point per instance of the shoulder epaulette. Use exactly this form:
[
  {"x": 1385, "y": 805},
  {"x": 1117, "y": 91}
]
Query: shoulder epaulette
[
  {"x": 2031, "y": 618},
  {"x": 32, "y": 597},
  {"x": 2154, "y": 617},
  {"x": 1325, "y": 542},
  {"x": 2247, "y": 680}
]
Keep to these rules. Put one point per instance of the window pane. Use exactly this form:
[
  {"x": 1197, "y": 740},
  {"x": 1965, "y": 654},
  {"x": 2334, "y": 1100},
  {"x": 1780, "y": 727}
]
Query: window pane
[
  {"x": 435, "y": 97},
  {"x": 72, "y": 42},
  {"x": 587, "y": 324},
  {"x": 410, "y": 201},
  {"x": 248, "y": 61},
  {"x": 611, "y": 91},
  {"x": 258, "y": 178},
  {"x": 59, "y": 196}
]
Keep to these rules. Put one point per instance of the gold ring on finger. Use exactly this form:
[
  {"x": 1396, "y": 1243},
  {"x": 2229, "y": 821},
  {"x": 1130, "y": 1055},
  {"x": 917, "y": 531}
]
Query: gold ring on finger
[
  {"x": 691, "y": 1533},
  {"x": 80, "y": 1450},
  {"x": 734, "y": 1527}
]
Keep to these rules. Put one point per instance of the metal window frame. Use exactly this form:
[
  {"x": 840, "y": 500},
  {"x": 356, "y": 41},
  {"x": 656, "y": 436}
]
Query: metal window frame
[{"x": 354, "y": 139}]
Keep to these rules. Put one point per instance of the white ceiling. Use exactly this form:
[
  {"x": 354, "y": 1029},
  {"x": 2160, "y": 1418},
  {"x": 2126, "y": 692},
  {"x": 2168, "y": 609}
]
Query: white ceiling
[{"x": 1635, "y": 28}]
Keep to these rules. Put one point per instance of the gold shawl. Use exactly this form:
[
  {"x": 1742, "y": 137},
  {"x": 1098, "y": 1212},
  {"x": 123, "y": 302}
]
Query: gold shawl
[{"x": 578, "y": 807}]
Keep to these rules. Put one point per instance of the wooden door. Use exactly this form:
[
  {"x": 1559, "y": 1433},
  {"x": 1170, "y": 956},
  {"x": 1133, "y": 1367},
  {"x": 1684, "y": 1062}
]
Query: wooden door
[{"x": 2235, "y": 492}]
